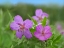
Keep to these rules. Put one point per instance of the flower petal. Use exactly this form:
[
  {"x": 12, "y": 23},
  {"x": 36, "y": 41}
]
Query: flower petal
[
  {"x": 59, "y": 27},
  {"x": 42, "y": 38},
  {"x": 39, "y": 28},
  {"x": 47, "y": 29},
  {"x": 37, "y": 34},
  {"x": 45, "y": 14},
  {"x": 38, "y": 12},
  {"x": 27, "y": 34},
  {"x": 48, "y": 35},
  {"x": 62, "y": 33},
  {"x": 28, "y": 23},
  {"x": 35, "y": 18},
  {"x": 14, "y": 26},
  {"x": 47, "y": 22},
  {"x": 18, "y": 19},
  {"x": 19, "y": 34}
]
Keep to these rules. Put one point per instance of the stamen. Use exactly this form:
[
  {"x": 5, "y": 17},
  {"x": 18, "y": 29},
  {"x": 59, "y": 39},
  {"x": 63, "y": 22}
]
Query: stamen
[
  {"x": 43, "y": 34},
  {"x": 21, "y": 27}
]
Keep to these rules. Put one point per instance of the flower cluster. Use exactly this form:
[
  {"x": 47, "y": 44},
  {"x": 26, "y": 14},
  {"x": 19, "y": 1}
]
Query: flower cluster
[{"x": 23, "y": 27}]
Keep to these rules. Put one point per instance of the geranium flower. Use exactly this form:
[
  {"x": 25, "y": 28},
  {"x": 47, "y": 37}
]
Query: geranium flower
[
  {"x": 59, "y": 27},
  {"x": 43, "y": 33},
  {"x": 21, "y": 27},
  {"x": 61, "y": 32},
  {"x": 39, "y": 15}
]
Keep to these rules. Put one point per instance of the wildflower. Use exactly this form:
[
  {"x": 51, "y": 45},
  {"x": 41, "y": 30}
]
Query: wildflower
[
  {"x": 62, "y": 32},
  {"x": 59, "y": 27},
  {"x": 43, "y": 33},
  {"x": 39, "y": 15},
  {"x": 21, "y": 27}
]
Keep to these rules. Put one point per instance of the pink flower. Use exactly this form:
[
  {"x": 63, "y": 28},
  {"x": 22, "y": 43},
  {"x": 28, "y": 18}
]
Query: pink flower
[
  {"x": 21, "y": 27},
  {"x": 59, "y": 27},
  {"x": 39, "y": 15},
  {"x": 62, "y": 32},
  {"x": 43, "y": 33}
]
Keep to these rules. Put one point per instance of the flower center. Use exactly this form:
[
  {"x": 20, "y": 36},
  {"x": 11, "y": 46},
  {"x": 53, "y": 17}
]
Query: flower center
[
  {"x": 40, "y": 18},
  {"x": 21, "y": 27},
  {"x": 43, "y": 33}
]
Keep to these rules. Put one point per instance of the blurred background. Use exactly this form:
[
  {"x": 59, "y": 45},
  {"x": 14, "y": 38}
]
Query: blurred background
[{"x": 55, "y": 8}]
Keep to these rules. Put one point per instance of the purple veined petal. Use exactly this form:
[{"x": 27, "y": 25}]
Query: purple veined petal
[
  {"x": 37, "y": 34},
  {"x": 28, "y": 23},
  {"x": 27, "y": 34},
  {"x": 19, "y": 34},
  {"x": 39, "y": 28},
  {"x": 42, "y": 38},
  {"x": 42, "y": 17},
  {"x": 47, "y": 29},
  {"x": 45, "y": 14},
  {"x": 38, "y": 12},
  {"x": 18, "y": 19},
  {"x": 48, "y": 35},
  {"x": 39, "y": 21},
  {"x": 39, "y": 24},
  {"x": 14, "y": 26},
  {"x": 35, "y": 18}
]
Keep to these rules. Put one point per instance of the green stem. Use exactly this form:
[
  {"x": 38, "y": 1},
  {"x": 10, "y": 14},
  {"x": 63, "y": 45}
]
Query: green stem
[
  {"x": 46, "y": 43},
  {"x": 43, "y": 44}
]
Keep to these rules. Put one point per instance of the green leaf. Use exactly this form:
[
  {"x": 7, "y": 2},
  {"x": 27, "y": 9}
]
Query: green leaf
[
  {"x": 6, "y": 40},
  {"x": 10, "y": 16},
  {"x": 0, "y": 39},
  {"x": 57, "y": 39},
  {"x": 43, "y": 21},
  {"x": 33, "y": 20},
  {"x": 32, "y": 30},
  {"x": 1, "y": 17},
  {"x": 11, "y": 19}
]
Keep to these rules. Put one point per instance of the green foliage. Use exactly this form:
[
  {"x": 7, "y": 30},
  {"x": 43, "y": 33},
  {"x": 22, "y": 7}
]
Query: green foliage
[
  {"x": 1, "y": 18},
  {"x": 56, "y": 13},
  {"x": 34, "y": 21},
  {"x": 43, "y": 22},
  {"x": 57, "y": 39}
]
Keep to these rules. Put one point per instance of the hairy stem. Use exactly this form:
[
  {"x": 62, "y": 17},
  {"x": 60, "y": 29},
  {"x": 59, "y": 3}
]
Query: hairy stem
[{"x": 43, "y": 44}]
